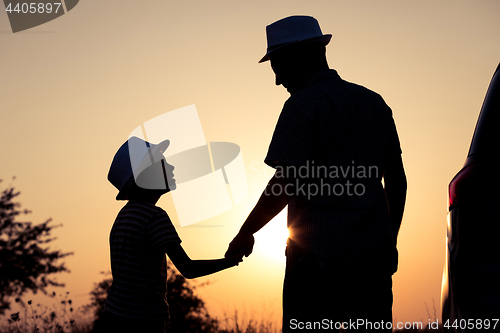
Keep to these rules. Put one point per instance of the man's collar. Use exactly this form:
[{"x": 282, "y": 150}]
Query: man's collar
[{"x": 324, "y": 74}]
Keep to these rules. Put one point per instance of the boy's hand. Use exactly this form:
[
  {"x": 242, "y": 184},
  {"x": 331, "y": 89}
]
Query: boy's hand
[
  {"x": 241, "y": 245},
  {"x": 234, "y": 260}
]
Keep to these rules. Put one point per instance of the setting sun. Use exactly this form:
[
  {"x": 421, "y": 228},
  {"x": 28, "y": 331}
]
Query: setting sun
[{"x": 271, "y": 240}]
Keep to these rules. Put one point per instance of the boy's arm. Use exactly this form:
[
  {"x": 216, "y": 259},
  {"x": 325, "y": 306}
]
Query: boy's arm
[{"x": 191, "y": 269}]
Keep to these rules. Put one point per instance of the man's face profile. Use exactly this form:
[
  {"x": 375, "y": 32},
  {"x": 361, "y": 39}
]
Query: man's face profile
[
  {"x": 284, "y": 70},
  {"x": 293, "y": 64}
]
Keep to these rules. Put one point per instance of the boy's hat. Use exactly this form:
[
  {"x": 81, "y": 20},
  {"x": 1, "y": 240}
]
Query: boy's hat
[
  {"x": 293, "y": 29},
  {"x": 133, "y": 157}
]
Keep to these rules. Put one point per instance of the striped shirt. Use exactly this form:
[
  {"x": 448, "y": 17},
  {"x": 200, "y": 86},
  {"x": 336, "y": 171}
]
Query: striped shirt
[
  {"x": 337, "y": 137},
  {"x": 138, "y": 239}
]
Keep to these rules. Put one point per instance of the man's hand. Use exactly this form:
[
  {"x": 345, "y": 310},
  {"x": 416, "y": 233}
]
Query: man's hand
[
  {"x": 242, "y": 245},
  {"x": 268, "y": 206}
]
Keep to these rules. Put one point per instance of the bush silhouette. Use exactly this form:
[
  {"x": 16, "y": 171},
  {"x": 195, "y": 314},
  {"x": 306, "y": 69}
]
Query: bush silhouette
[
  {"x": 26, "y": 264},
  {"x": 188, "y": 313}
]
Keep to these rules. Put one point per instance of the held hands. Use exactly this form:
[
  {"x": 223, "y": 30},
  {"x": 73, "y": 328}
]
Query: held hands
[
  {"x": 233, "y": 260},
  {"x": 241, "y": 245}
]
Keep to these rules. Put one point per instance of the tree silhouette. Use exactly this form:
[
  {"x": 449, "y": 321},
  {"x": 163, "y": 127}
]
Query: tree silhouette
[
  {"x": 188, "y": 313},
  {"x": 26, "y": 264}
]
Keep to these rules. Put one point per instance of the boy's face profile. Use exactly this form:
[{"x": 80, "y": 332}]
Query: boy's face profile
[
  {"x": 152, "y": 182},
  {"x": 169, "y": 175},
  {"x": 158, "y": 176}
]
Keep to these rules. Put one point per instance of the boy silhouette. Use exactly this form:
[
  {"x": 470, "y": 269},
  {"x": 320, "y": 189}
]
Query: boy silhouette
[{"x": 141, "y": 236}]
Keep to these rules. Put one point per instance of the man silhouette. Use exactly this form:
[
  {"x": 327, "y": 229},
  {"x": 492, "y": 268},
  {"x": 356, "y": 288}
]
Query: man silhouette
[{"x": 332, "y": 145}]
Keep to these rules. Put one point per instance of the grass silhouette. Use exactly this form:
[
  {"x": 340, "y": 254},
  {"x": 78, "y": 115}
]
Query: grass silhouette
[
  {"x": 59, "y": 321},
  {"x": 63, "y": 318},
  {"x": 43, "y": 319}
]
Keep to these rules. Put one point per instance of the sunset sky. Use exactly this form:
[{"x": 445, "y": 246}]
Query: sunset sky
[{"x": 73, "y": 89}]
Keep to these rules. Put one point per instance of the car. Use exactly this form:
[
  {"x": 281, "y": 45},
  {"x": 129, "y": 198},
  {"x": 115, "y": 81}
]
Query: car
[{"x": 470, "y": 291}]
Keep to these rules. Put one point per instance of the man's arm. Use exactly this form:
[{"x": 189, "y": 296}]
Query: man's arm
[
  {"x": 395, "y": 191},
  {"x": 272, "y": 201}
]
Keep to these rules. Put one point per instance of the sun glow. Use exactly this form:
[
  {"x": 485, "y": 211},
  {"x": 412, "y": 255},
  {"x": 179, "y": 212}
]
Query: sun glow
[{"x": 271, "y": 240}]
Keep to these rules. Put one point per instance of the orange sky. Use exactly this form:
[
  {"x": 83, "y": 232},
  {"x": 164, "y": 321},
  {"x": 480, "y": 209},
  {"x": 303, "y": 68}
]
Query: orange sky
[{"x": 73, "y": 89}]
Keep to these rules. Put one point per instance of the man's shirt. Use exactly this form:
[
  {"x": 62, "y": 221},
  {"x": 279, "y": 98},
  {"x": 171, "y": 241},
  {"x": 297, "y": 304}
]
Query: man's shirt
[{"x": 334, "y": 138}]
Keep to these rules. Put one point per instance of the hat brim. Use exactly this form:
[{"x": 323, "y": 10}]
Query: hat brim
[
  {"x": 324, "y": 39},
  {"x": 162, "y": 146}
]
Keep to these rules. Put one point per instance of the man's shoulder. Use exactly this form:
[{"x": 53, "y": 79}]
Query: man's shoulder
[
  {"x": 329, "y": 84},
  {"x": 358, "y": 90}
]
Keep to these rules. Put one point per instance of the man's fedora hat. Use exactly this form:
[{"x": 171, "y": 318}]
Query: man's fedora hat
[
  {"x": 293, "y": 29},
  {"x": 133, "y": 157}
]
